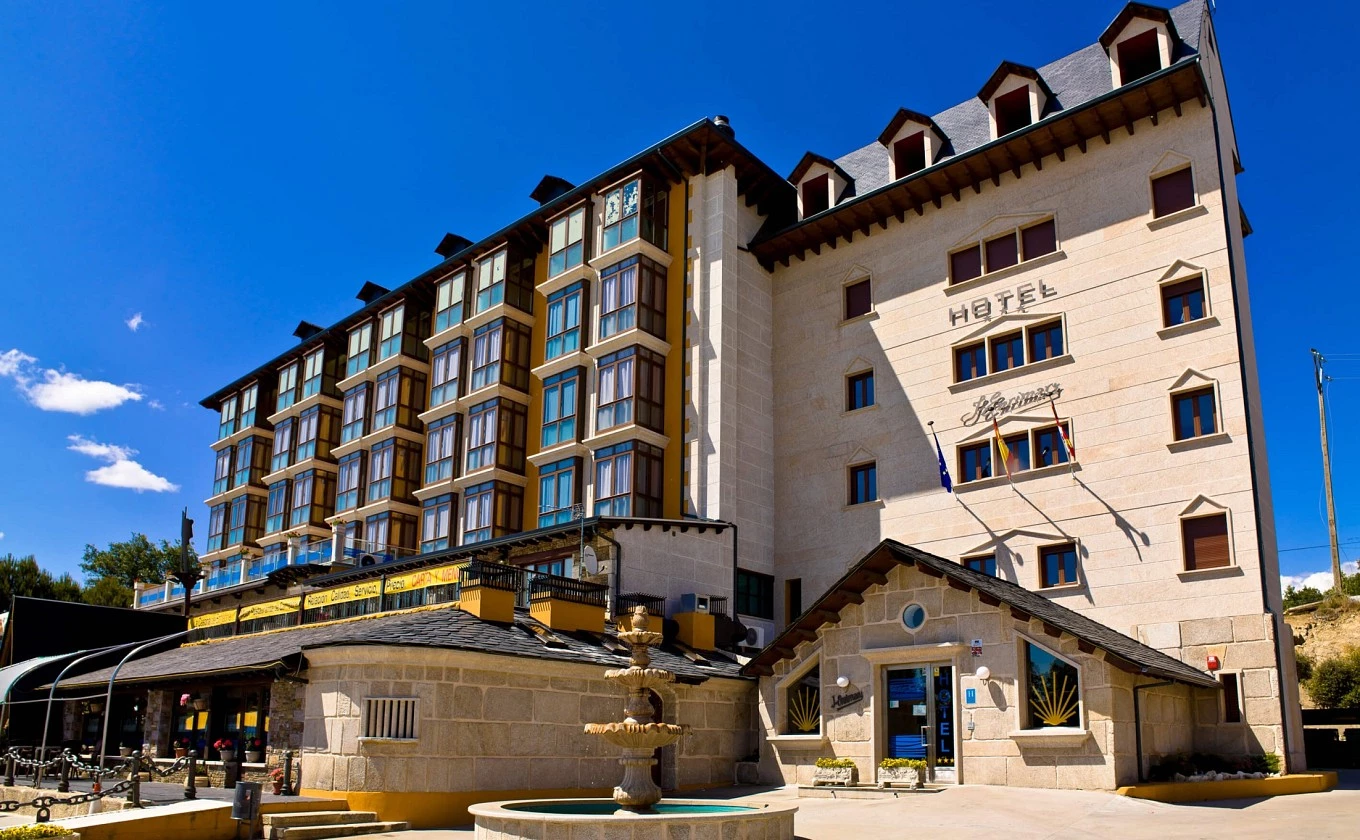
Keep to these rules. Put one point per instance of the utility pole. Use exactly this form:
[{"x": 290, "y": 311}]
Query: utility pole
[{"x": 1320, "y": 378}]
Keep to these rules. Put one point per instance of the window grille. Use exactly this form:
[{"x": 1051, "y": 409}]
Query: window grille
[{"x": 393, "y": 718}]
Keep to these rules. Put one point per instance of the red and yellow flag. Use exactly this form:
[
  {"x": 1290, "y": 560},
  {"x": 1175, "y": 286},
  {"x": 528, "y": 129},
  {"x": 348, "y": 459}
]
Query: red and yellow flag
[{"x": 1002, "y": 448}]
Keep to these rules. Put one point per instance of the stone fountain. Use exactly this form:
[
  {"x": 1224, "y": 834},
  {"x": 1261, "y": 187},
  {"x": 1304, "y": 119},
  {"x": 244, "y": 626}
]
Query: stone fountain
[
  {"x": 638, "y": 735},
  {"x": 636, "y": 811}
]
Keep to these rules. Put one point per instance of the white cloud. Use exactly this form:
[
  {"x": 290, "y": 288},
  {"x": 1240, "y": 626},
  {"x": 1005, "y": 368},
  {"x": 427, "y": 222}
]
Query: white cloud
[
  {"x": 156, "y": 404},
  {"x": 1321, "y": 581},
  {"x": 2, "y": 535},
  {"x": 121, "y": 471},
  {"x": 135, "y": 322},
  {"x": 55, "y": 390}
]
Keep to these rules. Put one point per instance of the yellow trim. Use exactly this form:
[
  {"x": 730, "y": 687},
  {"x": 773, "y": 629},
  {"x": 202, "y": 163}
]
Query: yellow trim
[
  {"x": 269, "y": 608},
  {"x": 488, "y": 604},
  {"x": 676, "y": 307},
  {"x": 212, "y": 619},
  {"x": 1232, "y": 788},
  {"x": 567, "y": 616},
  {"x": 697, "y": 630},
  {"x": 343, "y": 594}
]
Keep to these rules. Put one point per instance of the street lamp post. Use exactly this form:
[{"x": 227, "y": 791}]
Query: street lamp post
[{"x": 189, "y": 572}]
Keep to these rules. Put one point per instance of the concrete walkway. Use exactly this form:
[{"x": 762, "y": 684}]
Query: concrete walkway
[{"x": 1023, "y": 814}]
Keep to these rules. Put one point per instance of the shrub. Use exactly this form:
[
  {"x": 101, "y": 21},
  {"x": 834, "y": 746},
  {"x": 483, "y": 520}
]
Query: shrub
[
  {"x": 1266, "y": 763},
  {"x": 1303, "y": 665},
  {"x": 1194, "y": 764},
  {"x": 835, "y": 763},
  {"x": 33, "y": 832},
  {"x": 909, "y": 763},
  {"x": 1335, "y": 683}
]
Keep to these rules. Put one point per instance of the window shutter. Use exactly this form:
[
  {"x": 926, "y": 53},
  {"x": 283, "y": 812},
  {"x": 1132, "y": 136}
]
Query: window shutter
[
  {"x": 1206, "y": 542},
  {"x": 1173, "y": 192}
]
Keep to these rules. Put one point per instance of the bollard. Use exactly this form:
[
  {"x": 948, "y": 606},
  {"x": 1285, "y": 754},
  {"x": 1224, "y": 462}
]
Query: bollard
[
  {"x": 9, "y": 770},
  {"x": 190, "y": 790},
  {"x": 288, "y": 773},
  {"x": 231, "y": 772},
  {"x": 64, "y": 782},
  {"x": 136, "y": 778}
]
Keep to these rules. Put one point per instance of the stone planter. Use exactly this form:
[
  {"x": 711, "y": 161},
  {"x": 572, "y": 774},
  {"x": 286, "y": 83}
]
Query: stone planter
[
  {"x": 125, "y": 751},
  {"x": 908, "y": 777},
  {"x": 227, "y": 755},
  {"x": 842, "y": 776},
  {"x": 255, "y": 756}
]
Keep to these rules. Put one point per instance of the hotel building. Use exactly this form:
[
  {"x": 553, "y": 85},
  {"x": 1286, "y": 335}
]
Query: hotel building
[{"x": 736, "y": 398}]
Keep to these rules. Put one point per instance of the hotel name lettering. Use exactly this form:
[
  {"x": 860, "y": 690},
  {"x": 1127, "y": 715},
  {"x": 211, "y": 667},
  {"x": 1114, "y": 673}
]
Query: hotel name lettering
[
  {"x": 983, "y": 308},
  {"x": 987, "y": 409}
]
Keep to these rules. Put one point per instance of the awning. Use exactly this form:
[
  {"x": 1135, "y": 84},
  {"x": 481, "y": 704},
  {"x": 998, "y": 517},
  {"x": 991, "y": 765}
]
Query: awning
[{"x": 11, "y": 674}]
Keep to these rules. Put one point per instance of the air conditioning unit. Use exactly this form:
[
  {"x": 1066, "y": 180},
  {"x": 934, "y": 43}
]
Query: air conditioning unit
[
  {"x": 369, "y": 560},
  {"x": 693, "y": 603},
  {"x": 755, "y": 637}
]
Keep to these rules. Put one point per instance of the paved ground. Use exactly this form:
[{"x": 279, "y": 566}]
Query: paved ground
[
  {"x": 1020, "y": 814},
  {"x": 1023, "y": 814}
]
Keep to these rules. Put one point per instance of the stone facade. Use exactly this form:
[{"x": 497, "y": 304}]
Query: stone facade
[
  {"x": 159, "y": 726},
  {"x": 991, "y": 746},
  {"x": 491, "y": 725},
  {"x": 287, "y": 716}
]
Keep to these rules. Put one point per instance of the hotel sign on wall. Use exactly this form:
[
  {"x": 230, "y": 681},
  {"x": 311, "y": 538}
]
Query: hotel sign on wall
[
  {"x": 982, "y": 309},
  {"x": 987, "y": 409}
]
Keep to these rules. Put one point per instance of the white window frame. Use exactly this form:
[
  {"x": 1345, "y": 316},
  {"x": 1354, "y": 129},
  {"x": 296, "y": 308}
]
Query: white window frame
[{"x": 1022, "y": 690}]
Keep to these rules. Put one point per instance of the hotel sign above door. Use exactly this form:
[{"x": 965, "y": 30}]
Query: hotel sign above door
[{"x": 991, "y": 408}]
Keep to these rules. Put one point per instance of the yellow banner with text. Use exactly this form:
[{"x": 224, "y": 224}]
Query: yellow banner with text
[
  {"x": 438, "y": 576},
  {"x": 269, "y": 608},
  {"x": 212, "y": 619},
  {"x": 340, "y": 595}
]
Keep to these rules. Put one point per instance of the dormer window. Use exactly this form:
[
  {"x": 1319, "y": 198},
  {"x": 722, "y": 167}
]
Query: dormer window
[
  {"x": 1016, "y": 97},
  {"x": 816, "y": 195},
  {"x": 909, "y": 154},
  {"x": 1139, "y": 42},
  {"x": 1138, "y": 56},
  {"x": 1012, "y": 111}
]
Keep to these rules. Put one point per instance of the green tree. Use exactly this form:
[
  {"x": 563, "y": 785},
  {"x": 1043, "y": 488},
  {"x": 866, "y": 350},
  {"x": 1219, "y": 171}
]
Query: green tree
[
  {"x": 23, "y": 576},
  {"x": 1294, "y": 597},
  {"x": 107, "y": 592},
  {"x": 133, "y": 560},
  {"x": 1335, "y": 682}
]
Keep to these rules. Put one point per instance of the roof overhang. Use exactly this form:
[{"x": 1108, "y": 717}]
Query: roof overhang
[
  {"x": 1137, "y": 10},
  {"x": 1119, "y": 650},
  {"x": 952, "y": 177}
]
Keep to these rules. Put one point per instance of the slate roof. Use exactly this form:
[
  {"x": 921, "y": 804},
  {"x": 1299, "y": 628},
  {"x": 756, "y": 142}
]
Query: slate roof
[
  {"x": 1074, "y": 79},
  {"x": 449, "y": 628},
  {"x": 1123, "y": 651}
]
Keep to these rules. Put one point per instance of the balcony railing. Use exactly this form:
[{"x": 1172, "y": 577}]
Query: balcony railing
[
  {"x": 655, "y": 604},
  {"x": 543, "y": 586}
]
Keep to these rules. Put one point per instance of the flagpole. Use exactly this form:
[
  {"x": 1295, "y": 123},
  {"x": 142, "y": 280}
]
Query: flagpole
[{"x": 1067, "y": 444}]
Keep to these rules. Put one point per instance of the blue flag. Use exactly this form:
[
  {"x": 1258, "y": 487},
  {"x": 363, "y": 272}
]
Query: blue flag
[{"x": 945, "y": 481}]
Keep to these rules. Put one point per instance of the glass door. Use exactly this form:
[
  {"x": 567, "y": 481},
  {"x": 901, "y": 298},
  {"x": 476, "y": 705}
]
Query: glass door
[{"x": 919, "y": 718}]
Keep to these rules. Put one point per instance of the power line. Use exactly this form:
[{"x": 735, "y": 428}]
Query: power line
[{"x": 1309, "y": 547}]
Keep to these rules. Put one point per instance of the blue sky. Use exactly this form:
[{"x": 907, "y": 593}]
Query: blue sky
[{"x": 214, "y": 178}]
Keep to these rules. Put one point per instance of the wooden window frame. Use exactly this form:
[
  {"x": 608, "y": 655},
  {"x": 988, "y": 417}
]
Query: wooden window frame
[
  {"x": 1044, "y": 551},
  {"x": 986, "y": 446},
  {"x": 351, "y": 465},
  {"x": 982, "y": 559},
  {"x": 443, "y": 449},
  {"x": 978, "y": 249},
  {"x": 454, "y": 311},
  {"x": 568, "y": 260},
  {"x": 1199, "y": 389},
  {"x": 1229, "y": 547},
  {"x": 846, "y": 290},
  {"x": 553, "y": 388},
  {"x": 552, "y": 473},
  {"x": 853, "y": 473},
  {"x": 1169, "y": 288},
  {"x": 1159, "y": 176},
  {"x": 870, "y": 393}
]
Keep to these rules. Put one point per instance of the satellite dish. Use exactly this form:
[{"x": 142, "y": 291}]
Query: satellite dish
[{"x": 589, "y": 561}]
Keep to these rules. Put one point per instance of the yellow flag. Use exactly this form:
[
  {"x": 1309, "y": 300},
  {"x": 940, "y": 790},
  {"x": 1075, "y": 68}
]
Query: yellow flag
[{"x": 1002, "y": 448}]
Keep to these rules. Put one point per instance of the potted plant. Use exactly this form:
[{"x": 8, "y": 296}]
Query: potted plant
[
  {"x": 125, "y": 750},
  {"x": 255, "y": 750},
  {"x": 226, "y": 748},
  {"x": 181, "y": 747},
  {"x": 900, "y": 771},
  {"x": 276, "y": 780},
  {"x": 834, "y": 771}
]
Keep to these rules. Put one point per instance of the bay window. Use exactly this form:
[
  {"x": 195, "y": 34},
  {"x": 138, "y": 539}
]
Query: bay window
[
  {"x": 288, "y": 387},
  {"x": 398, "y": 396},
  {"x": 631, "y": 389},
  {"x": 226, "y": 426},
  {"x": 353, "y": 424},
  {"x": 491, "y": 280},
  {"x": 566, "y": 241},
  {"x": 276, "y": 511},
  {"x": 251, "y": 460},
  {"x": 500, "y": 354},
  {"x": 222, "y": 471},
  {"x": 636, "y": 208},
  {"x": 441, "y": 448},
  {"x": 393, "y": 324},
  {"x": 628, "y": 480},
  {"x": 313, "y": 499},
  {"x": 559, "y": 488},
  {"x": 449, "y": 296},
  {"x": 446, "y": 373},
  {"x": 217, "y": 527},
  {"x": 283, "y": 446},
  {"x": 436, "y": 523},
  {"x": 246, "y": 521},
  {"x": 380, "y": 470},
  {"x": 349, "y": 483},
  {"x": 360, "y": 349},
  {"x": 633, "y": 294},
  {"x": 492, "y": 509},
  {"x": 389, "y": 530},
  {"x": 564, "y": 321},
  {"x": 312, "y": 370},
  {"x": 250, "y": 399},
  {"x": 316, "y": 431},
  {"x": 394, "y": 471},
  {"x": 496, "y": 435},
  {"x": 562, "y": 398}
]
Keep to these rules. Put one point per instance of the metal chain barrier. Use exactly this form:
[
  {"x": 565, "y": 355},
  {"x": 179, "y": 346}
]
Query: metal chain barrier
[{"x": 132, "y": 765}]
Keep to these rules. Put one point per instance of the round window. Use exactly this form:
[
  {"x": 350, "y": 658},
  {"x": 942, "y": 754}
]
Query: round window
[{"x": 913, "y": 617}]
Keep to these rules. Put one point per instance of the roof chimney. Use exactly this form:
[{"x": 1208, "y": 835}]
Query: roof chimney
[
  {"x": 721, "y": 123},
  {"x": 305, "y": 330},
  {"x": 549, "y": 188},
  {"x": 451, "y": 244},
  {"x": 371, "y": 292}
]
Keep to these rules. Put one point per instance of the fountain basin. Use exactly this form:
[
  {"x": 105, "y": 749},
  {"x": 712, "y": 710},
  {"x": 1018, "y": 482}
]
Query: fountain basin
[{"x": 596, "y": 819}]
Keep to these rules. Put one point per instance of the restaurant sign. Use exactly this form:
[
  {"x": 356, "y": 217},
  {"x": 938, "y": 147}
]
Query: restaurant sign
[{"x": 987, "y": 409}]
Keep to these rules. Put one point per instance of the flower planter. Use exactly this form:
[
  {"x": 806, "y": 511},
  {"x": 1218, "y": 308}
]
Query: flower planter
[
  {"x": 181, "y": 752},
  {"x": 125, "y": 751},
  {"x": 227, "y": 755},
  {"x": 843, "y": 776},
  {"x": 277, "y": 788},
  {"x": 254, "y": 756},
  {"x": 908, "y": 777}
]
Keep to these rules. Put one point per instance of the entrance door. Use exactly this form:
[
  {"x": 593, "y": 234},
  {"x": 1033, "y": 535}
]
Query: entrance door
[{"x": 919, "y": 718}]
